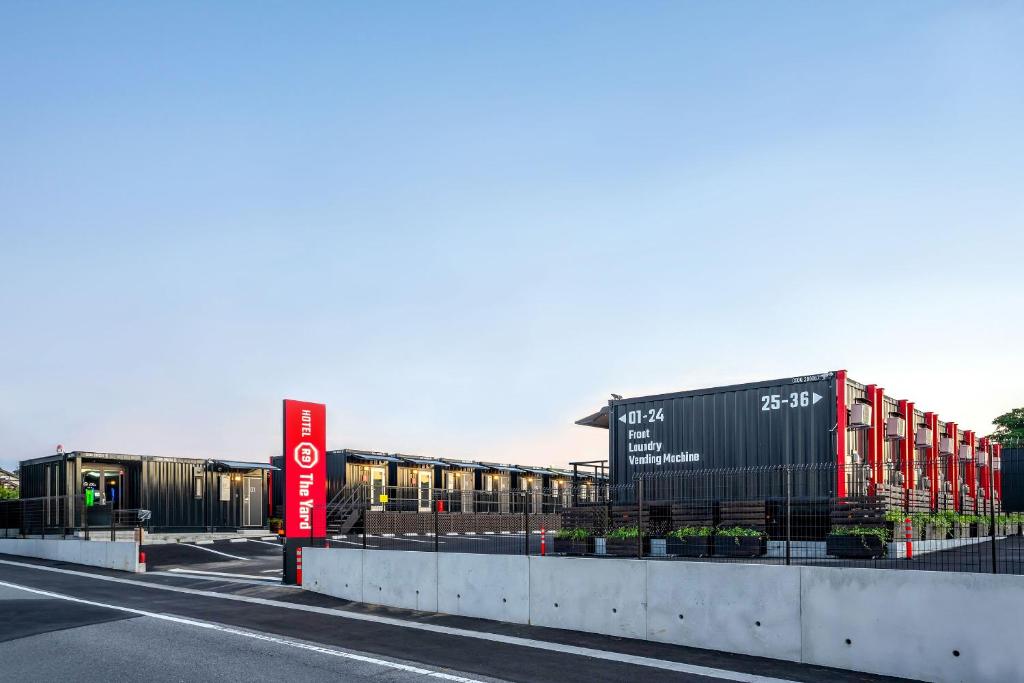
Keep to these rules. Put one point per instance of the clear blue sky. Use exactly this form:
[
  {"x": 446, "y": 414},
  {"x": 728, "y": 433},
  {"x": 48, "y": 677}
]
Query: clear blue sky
[{"x": 461, "y": 225}]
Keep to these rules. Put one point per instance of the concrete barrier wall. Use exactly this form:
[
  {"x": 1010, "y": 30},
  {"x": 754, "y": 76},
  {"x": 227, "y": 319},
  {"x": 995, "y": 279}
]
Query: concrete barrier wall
[
  {"x": 122, "y": 555},
  {"x": 936, "y": 626}
]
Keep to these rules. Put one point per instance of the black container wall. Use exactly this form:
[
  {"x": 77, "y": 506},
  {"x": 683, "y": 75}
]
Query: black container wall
[
  {"x": 788, "y": 421},
  {"x": 1012, "y": 474},
  {"x": 277, "y": 486}
]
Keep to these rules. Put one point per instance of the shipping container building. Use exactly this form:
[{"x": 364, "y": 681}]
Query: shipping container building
[
  {"x": 842, "y": 437},
  {"x": 179, "y": 494},
  {"x": 413, "y": 482}
]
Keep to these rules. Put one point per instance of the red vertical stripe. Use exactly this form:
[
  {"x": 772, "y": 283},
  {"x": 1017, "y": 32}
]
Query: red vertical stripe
[
  {"x": 841, "y": 424},
  {"x": 970, "y": 469},
  {"x": 931, "y": 459},
  {"x": 879, "y": 411},
  {"x": 953, "y": 466},
  {"x": 873, "y": 454}
]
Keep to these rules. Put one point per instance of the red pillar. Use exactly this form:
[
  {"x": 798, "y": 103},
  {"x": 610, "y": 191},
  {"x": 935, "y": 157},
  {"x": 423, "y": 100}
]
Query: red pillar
[
  {"x": 971, "y": 469},
  {"x": 997, "y": 452},
  {"x": 984, "y": 480},
  {"x": 841, "y": 424},
  {"x": 878, "y": 413},
  {"x": 873, "y": 453},
  {"x": 932, "y": 459},
  {"x": 910, "y": 447},
  {"x": 953, "y": 466}
]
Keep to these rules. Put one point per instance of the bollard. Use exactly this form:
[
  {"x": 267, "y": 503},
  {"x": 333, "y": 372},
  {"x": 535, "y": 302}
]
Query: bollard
[
  {"x": 142, "y": 557},
  {"x": 543, "y": 546},
  {"x": 910, "y": 544},
  {"x": 298, "y": 565}
]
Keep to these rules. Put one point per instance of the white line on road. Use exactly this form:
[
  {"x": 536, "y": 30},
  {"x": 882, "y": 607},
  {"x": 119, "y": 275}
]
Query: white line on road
[
  {"x": 215, "y": 552},
  {"x": 253, "y": 540},
  {"x": 178, "y": 570},
  {"x": 359, "y": 543},
  {"x": 667, "y": 665},
  {"x": 269, "y": 571},
  {"x": 255, "y": 635}
]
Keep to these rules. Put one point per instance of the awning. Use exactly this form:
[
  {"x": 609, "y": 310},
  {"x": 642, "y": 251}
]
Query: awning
[
  {"x": 467, "y": 465},
  {"x": 598, "y": 419},
  {"x": 372, "y": 457},
  {"x": 536, "y": 471},
  {"x": 505, "y": 468},
  {"x": 432, "y": 463},
  {"x": 242, "y": 465}
]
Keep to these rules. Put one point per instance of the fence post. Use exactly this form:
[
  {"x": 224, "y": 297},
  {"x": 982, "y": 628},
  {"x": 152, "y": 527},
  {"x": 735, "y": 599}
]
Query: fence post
[
  {"x": 22, "y": 525},
  {"x": 991, "y": 500},
  {"x": 436, "y": 541},
  {"x": 85, "y": 519},
  {"x": 113, "y": 522},
  {"x": 640, "y": 517},
  {"x": 789, "y": 528},
  {"x": 526, "y": 526}
]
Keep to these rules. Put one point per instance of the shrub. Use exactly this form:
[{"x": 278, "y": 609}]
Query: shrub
[
  {"x": 573, "y": 534},
  {"x": 623, "y": 532},
  {"x": 881, "y": 532},
  {"x": 740, "y": 532},
  {"x": 691, "y": 531}
]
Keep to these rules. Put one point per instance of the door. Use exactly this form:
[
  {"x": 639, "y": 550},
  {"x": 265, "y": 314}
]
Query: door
[
  {"x": 252, "y": 502},
  {"x": 467, "y": 491},
  {"x": 425, "y": 482},
  {"x": 378, "y": 477}
]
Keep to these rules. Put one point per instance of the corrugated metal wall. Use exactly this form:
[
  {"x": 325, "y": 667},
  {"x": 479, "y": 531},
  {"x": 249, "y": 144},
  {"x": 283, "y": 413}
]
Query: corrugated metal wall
[
  {"x": 751, "y": 425},
  {"x": 1012, "y": 474}
]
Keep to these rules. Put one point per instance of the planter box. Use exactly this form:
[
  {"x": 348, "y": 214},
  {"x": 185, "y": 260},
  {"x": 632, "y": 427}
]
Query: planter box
[
  {"x": 625, "y": 547},
  {"x": 740, "y": 546},
  {"x": 691, "y": 546},
  {"x": 866, "y": 547},
  {"x": 567, "y": 546}
]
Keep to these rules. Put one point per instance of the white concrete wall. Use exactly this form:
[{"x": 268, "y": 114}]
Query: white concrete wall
[
  {"x": 584, "y": 594},
  {"x": 749, "y": 609},
  {"x": 399, "y": 579},
  {"x": 484, "y": 586},
  {"x": 122, "y": 555},
  {"x": 898, "y": 623},
  {"x": 908, "y": 623}
]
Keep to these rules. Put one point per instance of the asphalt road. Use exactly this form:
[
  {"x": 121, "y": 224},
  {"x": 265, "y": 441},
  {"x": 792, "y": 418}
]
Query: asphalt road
[{"x": 61, "y": 621}]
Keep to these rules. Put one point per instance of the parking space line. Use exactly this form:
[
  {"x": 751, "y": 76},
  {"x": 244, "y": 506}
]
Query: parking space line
[
  {"x": 253, "y": 540},
  {"x": 255, "y": 635},
  {"x": 216, "y": 552}
]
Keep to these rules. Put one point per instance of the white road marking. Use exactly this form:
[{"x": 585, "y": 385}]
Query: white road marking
[
  {"x": 261, "y": 581},
  {"x": 178, "y": 570},
  {"x": 266, "y": 538},
  {"x": 667, "y": 665},
  {"x": 253, "y": 540},
  {"x": 358, "y": 543},
  {"x": 215, "y": 552},
  {"x": 255, "y": 635},
  {"x": 268, "y": 571},
  {"x": 237, "y": 540}
]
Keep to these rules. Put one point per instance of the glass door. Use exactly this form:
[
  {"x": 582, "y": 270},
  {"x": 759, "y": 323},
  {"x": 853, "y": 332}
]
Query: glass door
[
  {"x": 378, "y": 483},
  {"x": 425, "y": 485}
]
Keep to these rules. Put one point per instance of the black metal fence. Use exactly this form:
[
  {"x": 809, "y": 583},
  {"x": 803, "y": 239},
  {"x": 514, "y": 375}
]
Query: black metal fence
[
  {"x": 66, "y": 517},
  {"x": 871, "y": 519}
]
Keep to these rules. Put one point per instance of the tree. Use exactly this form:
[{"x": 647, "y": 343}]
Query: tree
[
  {"x": 1009, "y": 428},
  {"x": 8, "y": 494}
]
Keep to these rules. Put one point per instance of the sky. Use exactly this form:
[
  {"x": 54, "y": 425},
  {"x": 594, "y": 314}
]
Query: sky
[{"x": 463, "y": 225}]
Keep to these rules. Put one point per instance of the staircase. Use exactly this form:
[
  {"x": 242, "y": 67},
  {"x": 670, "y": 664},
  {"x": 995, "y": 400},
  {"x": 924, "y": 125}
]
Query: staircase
[{"x": 345, "y": 510}]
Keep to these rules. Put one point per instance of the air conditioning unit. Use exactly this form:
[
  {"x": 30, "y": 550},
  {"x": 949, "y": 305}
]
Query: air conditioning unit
[
  {"x": 997, "y": 464},
  {"x": 965, "y": 452},
  {"x": 926, "y": 483},
  {"x": 946, "y": 445},
  {"x": 900, "y": 478},
  {"x": 923, "y": 437},
  {"x": 895, "y": 427},
  {"x": 982, "y": 458},
  {"x": 860, "y": 416}
]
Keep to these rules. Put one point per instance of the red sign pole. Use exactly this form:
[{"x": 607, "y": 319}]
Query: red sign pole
[{"x": 305, "y": 481}]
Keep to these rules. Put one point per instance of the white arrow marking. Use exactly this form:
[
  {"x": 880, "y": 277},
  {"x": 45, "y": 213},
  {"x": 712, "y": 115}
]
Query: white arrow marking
[
  {"x": 622, "y": 418},
  {"x": 815, "y": 398}
]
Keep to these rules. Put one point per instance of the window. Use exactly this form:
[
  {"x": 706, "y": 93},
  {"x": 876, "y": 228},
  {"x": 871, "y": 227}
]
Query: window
[{"x": 198, "y": 485}]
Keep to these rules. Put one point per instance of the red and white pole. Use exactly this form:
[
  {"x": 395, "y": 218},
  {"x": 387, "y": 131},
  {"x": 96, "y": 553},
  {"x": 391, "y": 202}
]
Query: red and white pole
[
  {"x": 543, "y": 545},
  {"x": 298, "y": 563},
  {"x": 910, "y": 543}
]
